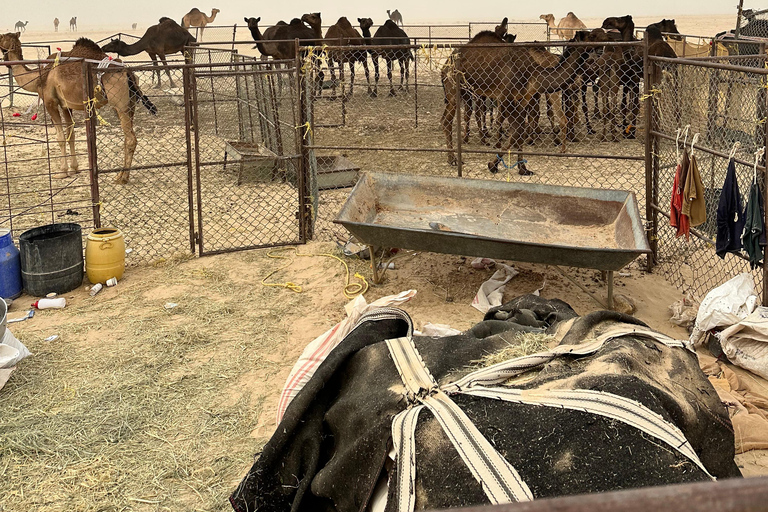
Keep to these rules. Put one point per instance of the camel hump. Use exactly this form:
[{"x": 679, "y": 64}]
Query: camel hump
[{"x": 86, "y": 48}]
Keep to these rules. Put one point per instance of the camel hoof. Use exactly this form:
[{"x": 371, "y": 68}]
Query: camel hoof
[
  {"x": 61, "y": 175},
  {"x": 73, "y": 172},
  {"x": 373, "y": 94},
  {"x": 523, "y": 171},
  {"x": 392, "y": 93}
]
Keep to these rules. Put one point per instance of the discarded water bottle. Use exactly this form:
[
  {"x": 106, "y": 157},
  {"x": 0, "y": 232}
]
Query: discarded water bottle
[
  {"x": 112, "y": 281},
  {"x": 57, "y": 303},
  {"x": 96, "y": 289}
]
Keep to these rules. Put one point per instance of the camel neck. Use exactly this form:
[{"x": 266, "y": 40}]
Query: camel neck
[
  {"x": 366, "y": 34},
  {"x": 561, "y": 76},
  {"x": 28, "y": 79},
  {"x": 256, "y": 34},
  {"x": 135, "y": 48}
]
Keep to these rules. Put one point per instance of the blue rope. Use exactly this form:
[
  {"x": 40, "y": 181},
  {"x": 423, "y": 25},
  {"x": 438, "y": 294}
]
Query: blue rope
[{"x": 513, "y": 165}]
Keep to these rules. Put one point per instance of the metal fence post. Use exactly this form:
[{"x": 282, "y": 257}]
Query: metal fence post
[
  {"x": 305, "y": 94},
  {"x": 10, "y": 85},
  {"x": 187, "y": 87},
  {"x": 90, "y": 137},
  {"x": 457, "y": 84},
  {"x": 764, "y": 97},
  {"x": 651, "y": 173}
]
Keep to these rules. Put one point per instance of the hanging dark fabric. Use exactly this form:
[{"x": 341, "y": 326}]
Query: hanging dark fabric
[
  {"x": 730, "y": 215},
  {"x": 754, "y": 227}
]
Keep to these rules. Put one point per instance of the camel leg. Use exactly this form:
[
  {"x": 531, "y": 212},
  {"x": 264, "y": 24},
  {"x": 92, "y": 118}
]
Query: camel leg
[
  {"x": 367, "y": 74},
  {"x": 53, "y": 110},
  {"x": 480, "y": 118},
  {"x": 551, "y": 116},
  {"x": 167, "y": 70},
  {"x": 517, "y": 133},
  {"x": 126, "y": 123},
  {"x": 570, "y": 109},
  {"x": 389, "y": 77},
  {"x": 155, "y": 68},
  {"x": 585, "y": 109},
  {"x": 69, "y": 134},
  {"x": 402, "y": 73},
  {"x": 375, "y": 60},
  {"x": 558, "y": 116},
  {"x": 449, "y": 113}
]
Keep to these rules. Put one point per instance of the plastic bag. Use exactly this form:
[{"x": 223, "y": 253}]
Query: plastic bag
[
  {"x": 430, "y": 329},
  {"x": 746, "y": 343},
  {"x": 684, "y": 313},
  {"x": 491, "y": 292},
  {"x": 725, "y": 305}
]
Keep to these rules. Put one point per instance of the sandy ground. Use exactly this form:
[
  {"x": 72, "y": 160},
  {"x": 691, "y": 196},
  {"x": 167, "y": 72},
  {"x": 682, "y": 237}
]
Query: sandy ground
[{"x": 140, "y": 407}]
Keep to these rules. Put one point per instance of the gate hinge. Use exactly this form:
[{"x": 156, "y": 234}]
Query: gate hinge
[{"x": 197, "y": 237}]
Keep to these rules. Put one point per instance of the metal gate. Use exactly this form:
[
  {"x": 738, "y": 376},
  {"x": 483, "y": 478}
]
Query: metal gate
[{"x": 248, "y": 165}]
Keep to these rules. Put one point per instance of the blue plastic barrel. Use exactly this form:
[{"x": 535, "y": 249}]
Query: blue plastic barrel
[{"x": 10, "y": 267}]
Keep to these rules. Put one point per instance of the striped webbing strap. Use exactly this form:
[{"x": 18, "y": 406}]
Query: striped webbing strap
[{"x": 500, "y": 481}]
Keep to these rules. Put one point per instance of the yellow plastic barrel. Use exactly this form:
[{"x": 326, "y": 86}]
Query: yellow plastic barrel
[{"x": 104, "y": 255}]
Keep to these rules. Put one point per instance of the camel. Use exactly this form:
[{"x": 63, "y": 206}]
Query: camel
[
  {"x": 668, "y": 28},
  {"x": 73, "y": 24},
  {"x": 396, "y": 17},
  {"x": 21, "y": 26},
  {"x": 389, "y": 34},
  {"x": 134, "y": 25},
  {"x": 196, "y": 18},
  {"x": 342, "y": 33},
  {"x": 512, "y": 78},
  {"x": 278, "y": 41},
  {"x": 566, "y": 28},
  {"x": 55, "y": 24},
  {"x": 159, "y": 40},
  {"x": 632, "y": 67},
  {"x": 61, "y": 90}
]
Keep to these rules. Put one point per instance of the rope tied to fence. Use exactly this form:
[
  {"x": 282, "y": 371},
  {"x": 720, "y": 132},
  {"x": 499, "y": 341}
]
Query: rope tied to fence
[
  {"x": 92, "y": 110},
  {"x": 351, "y": 290},
  {"x": 307, "y": 131},
  {"x": 653, "y": 92}
]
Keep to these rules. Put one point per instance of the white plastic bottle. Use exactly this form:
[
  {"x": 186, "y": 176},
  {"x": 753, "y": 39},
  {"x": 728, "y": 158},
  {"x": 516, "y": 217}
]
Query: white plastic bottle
[{"x": 58, "y": 303}]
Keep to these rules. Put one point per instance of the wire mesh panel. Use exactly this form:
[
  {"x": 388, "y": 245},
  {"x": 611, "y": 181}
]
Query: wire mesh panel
[
  {"x": 457, "y": 111},
  {"x": 43, "y": 177},
  {"x": 725, "y": 103},
  {"x": 247, "y": 155}
]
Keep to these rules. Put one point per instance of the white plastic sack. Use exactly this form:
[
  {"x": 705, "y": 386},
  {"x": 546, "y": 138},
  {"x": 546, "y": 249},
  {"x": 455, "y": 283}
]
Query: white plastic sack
[
  {"x": 11, "y": 352},
  {"x": 725, "y": 305},
  {"x": 430, "y": 329},
  {"x": 491, "y": 292},
  {"x": 319, "y": 348},
  {"x": 746, "y": 343}
]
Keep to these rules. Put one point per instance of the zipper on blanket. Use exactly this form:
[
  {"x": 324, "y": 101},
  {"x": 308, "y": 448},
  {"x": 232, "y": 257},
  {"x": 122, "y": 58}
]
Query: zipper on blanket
[{"x": 386, "y": 313}]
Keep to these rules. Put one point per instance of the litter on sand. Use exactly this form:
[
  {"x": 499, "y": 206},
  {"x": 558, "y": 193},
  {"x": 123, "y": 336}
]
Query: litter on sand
[{"x": 170, "y": 305}]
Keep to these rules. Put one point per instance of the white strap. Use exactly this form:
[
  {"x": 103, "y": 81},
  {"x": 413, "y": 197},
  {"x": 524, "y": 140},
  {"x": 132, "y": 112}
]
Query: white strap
[{"x": 403, "y": 439}]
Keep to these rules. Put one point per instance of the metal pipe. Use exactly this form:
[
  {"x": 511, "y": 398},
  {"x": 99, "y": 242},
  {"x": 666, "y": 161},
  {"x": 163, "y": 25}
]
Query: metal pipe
[
  {"x": 650, "y": 218},
  {"x": 458, "y": 120},
  {"x": 481, "y": 152},
  {"x": 707, "y": 64},
  {"x": 90, "y": 131}
]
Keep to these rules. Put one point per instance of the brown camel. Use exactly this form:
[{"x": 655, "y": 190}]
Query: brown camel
[
  {"x": 55, "y": 24},
  {"x": 21, "y": 26},
  {"x": 197, "y": 18},
  {"x": 342, "y": 33},
  {"x": 389, "y": 34},
  {"x": 61, "y": 89},
  {"x": 396, "y": 17},
  {"x": 512, "y": 78},
  {"x": 73, "y": 23},
  {"x": 566, "y": 28},
  {"x": 159, "y": 40}
]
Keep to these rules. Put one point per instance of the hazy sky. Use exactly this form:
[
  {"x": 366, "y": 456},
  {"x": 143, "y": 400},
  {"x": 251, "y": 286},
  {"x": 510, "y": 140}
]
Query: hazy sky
[{"x": 40, "y": 13}]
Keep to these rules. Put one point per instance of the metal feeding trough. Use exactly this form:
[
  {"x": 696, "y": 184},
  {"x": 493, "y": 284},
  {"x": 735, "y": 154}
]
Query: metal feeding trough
[
  {"x": 335, "y": 172},
  {"x": 253, "y": 159},
  {"x": 576, "y": 227}
]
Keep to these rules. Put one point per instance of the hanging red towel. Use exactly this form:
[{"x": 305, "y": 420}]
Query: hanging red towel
[{"x": 676, "y": 217}]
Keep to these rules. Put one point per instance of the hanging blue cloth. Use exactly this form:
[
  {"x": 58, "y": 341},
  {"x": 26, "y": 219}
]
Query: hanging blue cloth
[
  {"x": 730, "y": 215},
  {"x": 754, "y": 227}
]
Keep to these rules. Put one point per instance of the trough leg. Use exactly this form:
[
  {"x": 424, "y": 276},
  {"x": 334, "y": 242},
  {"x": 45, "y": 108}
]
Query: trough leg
[
  {"x": 610, "y": 289},
  {"x": 372, "y": 250}
]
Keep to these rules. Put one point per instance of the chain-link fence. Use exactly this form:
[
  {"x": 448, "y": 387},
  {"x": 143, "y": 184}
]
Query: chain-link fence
[
  {"x": 483, "y": 110},
  {"x": 724, "y": 101}
]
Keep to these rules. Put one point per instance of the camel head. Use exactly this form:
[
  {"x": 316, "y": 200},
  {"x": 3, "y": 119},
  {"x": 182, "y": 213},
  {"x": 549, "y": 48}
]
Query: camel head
[
  {"x": 365, "y": 23},
  {"x": 510, "y": 38},
  {"x": 10, "y": 41},
  {"x": 669, "y": 27},
  {"x": 549, "y": 18},
  {"x": 597, "y": 35},
  {"x": 215, "y": 11},
  {"x": 253, "y": 23},
  {"x": 502, "y": 29},
  {"x": 312, "y": 19},
  {"x": 115, "y": 46},
  {"x": 618, "y": 23}
]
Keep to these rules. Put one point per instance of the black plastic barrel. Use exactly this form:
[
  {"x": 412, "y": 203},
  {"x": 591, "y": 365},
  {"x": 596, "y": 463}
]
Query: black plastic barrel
[{"x": 51, "y": 259}]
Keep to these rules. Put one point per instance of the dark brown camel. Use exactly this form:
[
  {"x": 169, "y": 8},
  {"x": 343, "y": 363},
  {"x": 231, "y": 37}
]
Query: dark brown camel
[
  {"x": 342, "y": 33},
  {"x": 632, "y": 67},
  {"x": 389, "y": 34},
  {"x": 278, "y": 41},
  {"x": 511, "y": 77},
  {"x": 667, "y": 28},
  {"x": 159, "y": 40}
]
